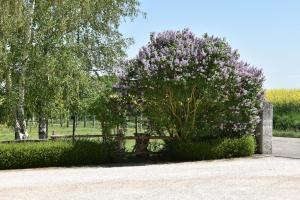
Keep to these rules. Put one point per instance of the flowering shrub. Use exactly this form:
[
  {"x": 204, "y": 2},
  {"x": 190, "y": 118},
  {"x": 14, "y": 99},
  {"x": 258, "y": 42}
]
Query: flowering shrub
[{"x": 196, "y": 86}]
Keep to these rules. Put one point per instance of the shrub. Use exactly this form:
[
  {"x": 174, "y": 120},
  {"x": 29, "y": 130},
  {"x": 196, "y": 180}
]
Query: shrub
[
  {"x": 236, "y": 147},
  {"x": 190, "y": 82},
  {"x": 211, "y": 149},
  {"x": 54, "y": 153},
  {"x": 108, "y": 106}
]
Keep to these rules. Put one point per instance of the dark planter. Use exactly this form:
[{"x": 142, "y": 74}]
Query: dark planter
[{"x": 141, "y": 144}]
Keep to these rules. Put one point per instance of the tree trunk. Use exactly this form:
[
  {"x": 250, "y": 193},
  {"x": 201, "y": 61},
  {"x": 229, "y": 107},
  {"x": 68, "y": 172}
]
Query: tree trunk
[
  {"x": 136, "y": 125},
  {"x": 13, "y": 108},
  {"x": 67, "y": 120},
  {"x": 43, "y": 132},
  {"x": 141, "y": 123},
  {"x": 17, "y": 130},
  {"x": 76, "y": 120},
  {"x": 47, "y": 126},
  {"x": 74, "y": 127},
  {"x": 11, "y": 118},
  {"x": 20, "y": 123},
  {"x": 60, "y": 120},
  {"x": 33, "y": 119},
  {"x": 20, "y": 126},
  {"x": 106, "y": 131},
  {"x": 84, "y": 121},
  {"x": 94, "y": 120}
]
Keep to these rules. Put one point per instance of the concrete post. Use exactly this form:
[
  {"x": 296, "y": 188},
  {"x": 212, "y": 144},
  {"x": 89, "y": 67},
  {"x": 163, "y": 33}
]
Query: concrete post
[{"x": 265, "y": 130}]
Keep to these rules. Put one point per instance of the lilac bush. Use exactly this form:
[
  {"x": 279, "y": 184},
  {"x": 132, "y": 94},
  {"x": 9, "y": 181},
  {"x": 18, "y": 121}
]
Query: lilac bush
[{"x": 197, "y": 86}]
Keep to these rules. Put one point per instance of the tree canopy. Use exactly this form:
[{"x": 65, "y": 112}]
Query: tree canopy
[{"x": 49, "y": 49}]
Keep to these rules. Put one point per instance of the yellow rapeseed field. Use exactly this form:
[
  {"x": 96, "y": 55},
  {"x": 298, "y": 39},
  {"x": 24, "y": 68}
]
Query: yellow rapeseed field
[{"x": 283, "y": 96}]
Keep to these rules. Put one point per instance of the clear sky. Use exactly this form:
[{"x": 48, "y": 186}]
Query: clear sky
[{"x": 266, "y": 32}]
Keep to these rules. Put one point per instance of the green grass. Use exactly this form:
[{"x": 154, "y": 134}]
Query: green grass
[
  {"x": 288, "y": 133},
  {"x": 7, "y": 133}
]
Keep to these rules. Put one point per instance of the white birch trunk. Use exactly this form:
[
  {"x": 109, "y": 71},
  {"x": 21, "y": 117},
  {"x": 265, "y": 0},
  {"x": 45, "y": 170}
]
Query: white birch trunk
[
  {"x": 43, "y": 134},
  {"x": 20, "y": 123}
]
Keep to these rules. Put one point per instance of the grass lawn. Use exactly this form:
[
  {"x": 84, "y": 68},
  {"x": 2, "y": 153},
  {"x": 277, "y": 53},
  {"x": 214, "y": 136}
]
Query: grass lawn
[
  {"x": 7, "y": 133},
  {"x": 289, "y": 133}
]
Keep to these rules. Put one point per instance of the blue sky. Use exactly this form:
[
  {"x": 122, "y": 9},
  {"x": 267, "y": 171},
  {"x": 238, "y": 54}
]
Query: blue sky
[{"x": 266, "y": 32}]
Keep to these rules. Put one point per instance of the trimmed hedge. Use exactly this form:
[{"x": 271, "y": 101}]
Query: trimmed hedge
[
  {"x": 65, "y": 153},
  {"x": 212, "y": 149},
  {"x": 55, "y": 153}
]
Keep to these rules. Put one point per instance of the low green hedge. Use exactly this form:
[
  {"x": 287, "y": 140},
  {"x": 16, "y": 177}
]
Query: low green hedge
[
  {"x": 65, "y": 153},
  {"x": 211, "y": 149},
  {"x": 54, "y": 153}
]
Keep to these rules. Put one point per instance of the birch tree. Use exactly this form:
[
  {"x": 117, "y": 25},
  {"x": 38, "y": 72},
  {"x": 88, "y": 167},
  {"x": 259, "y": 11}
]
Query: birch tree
[{"x": 44, "y": 43}]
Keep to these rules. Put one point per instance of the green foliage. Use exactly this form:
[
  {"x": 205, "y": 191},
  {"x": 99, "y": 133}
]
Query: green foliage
[
  {"x": 286, "y": 121},
  {"x": 54, "y": 153},
  {"x": 108, "y": 106},
  {"x": 50, "y": 49},
  {"x": 211, "y": 149},
  {"x": 236, "y": 147}
]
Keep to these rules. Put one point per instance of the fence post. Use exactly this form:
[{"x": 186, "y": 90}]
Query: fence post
[
  {"x": 136, "y": 124},
  {"x": 94, "y": 121},
  {"x": 265, "y": 130},
  {"x": 68, "y": 120},
  {"x": 84, "y": 121},
  {"x": 60, "y": 120},
  {"x": 74, "y": 117}
]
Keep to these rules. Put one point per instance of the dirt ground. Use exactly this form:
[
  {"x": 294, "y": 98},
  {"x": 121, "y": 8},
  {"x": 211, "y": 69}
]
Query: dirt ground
[
  {"x": 286, "y": 147},
  {"x": 247, "y": 178}
]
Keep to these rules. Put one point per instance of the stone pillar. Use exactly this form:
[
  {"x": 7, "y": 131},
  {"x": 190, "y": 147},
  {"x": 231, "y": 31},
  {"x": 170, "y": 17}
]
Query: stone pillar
[{"x": 265, "y": 130}]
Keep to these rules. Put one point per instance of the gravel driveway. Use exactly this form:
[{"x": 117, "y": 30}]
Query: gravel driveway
[
  {"x": 259, "y": 178},
  {"x": 286, "y": 147}
]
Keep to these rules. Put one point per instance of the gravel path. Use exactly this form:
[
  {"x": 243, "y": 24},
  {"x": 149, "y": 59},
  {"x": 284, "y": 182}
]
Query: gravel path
[
  {"x": 286, "y": 147},
  {"x": 262, "y": 178}
]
